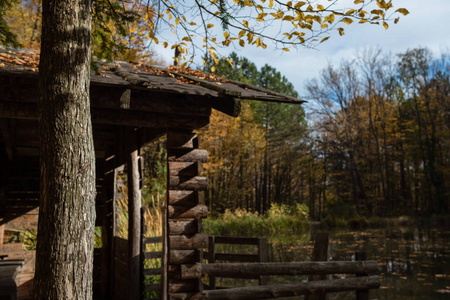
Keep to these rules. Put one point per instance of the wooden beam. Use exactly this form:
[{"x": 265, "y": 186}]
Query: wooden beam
[
  {"x": 188, "y": 212},
  {"x": 187, "y": 155},
  {"x": 186, "y": 198},
  {"x": 291, "y": 290},
  {"x": 185, "y": 256},
  {"x": 119, "y": 117},
  {"x": 184, "y": 242},
  {"x": 229, "y": 106},
  {"x": 197, "y": 183},
  {"x": 238, "y": 270},
  {"x": 185, "y": 227}
]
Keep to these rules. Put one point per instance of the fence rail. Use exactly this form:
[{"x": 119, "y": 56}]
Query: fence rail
[{"x": 256, "y": 266}]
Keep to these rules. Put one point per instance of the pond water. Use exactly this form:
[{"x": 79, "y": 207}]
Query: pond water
[{"x": 414, "y": 260}]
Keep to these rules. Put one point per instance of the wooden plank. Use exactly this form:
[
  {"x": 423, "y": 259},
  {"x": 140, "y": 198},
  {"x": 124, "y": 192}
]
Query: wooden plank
[
  {"x": 186, "y": 271},
  {"x": 291, "y": 290},
  {"x": 185, "y": 256},
  {"x": 113, "y": 116},
  {"x": 153, "y": 255},
  {"x": 185, "y": 168},
  {"x": 184, "y": 242},
  {"x": 187, "y": 155},
  {"x": 188, "y": 212},
  {"x": 185, "y": 198},
  {"x": 184, "y": 227},
  {"x": 152, "y": 271},
  {"x": 197, "y": 183},
  {"x": 153, "y": 240},
  {"x": 290, "y": 268}
]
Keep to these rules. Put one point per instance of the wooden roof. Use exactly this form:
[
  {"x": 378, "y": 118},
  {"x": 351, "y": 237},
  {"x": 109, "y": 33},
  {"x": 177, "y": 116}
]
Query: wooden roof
[{"x": 172, "y": 80}]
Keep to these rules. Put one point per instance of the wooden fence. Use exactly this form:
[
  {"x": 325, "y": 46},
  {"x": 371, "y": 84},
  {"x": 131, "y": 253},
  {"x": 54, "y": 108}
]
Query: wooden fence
[
  {"x": 261, "y": 255},
  {"x": 255, "y": 266},
  {"x": 149, "y": 258}
]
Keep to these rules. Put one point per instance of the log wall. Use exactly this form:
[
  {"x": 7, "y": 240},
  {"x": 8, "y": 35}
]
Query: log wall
[{"x": 184, "y": 210}]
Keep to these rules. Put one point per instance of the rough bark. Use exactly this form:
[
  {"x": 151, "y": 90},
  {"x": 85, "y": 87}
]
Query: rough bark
[{"x": 64, "y": 257}]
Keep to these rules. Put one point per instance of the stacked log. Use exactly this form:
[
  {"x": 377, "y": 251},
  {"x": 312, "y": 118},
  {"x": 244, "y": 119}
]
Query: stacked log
[{"x": 185, "y": 209}]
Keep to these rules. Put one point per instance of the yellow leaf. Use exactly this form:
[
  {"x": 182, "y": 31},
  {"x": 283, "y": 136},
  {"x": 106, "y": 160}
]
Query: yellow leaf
[
  {"x": 258, "y": 42},
  {"x": 286, "y": 49},
  {"x": 396, "y": 20},
  {"x": 155, "y": 40},
  {"x": 320, "y": 7},
  {"x": 299, "y": 4},
  {"x": 226, "y": 35},
  {"x": 192, "y": 23},
  {"x": 214, "y": 1},
  {"x": 386, "y": 26},
  {"x": 124, "y": 42},
  {"x": 213, "y": 69},
  {"x": 241, "y": 33},
  {"x": 324, "y": 26},
  {"x": 403, "y": 11},
  {"x": 183, "y": 66},
  {"x": 341, "y": 31},
  {"x": 324, "y": 39},
  {"x": 250, "y": 36},
  {"x": 241, "y": 43},
  {"x": 245, "y": 23},
  {"x": 363, "y": 21},
  {"x": 350, "y": 12},
  {"x": 165, "y": 44},
  {"x": 177, "y": 20},
  {"x": 288, "y": 18},
  {"x": 329, "y": 18},
  {"x": 359, "y": 1},
  {"x": 270, "y": 3},
  {"x": 260, "y": 17},
  {"x": 210, "y": 25},
  {"x": 347, "y": 21}
]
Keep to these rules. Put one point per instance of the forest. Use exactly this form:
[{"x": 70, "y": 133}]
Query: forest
[{"x": 373, "y": 139}]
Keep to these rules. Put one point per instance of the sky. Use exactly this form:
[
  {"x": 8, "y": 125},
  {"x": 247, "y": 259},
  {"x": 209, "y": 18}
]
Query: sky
[{"x": 427, "y": 25}]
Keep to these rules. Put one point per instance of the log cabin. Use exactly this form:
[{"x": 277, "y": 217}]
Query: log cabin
[{"x": 131, "y": 105}]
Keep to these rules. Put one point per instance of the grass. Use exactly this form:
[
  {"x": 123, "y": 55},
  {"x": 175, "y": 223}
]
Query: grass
[{"x": 280, "y": 218}]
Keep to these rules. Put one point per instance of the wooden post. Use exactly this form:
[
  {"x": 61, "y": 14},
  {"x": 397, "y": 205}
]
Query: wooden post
[
  {"x": 361, "y": 294},
  {"x": 134, "y": 225},
  {"x": 184, "y": 211},
  {"x": 2, "y": 232},
  {"x": 211, "y": 260},
  {"x": 320, "y": 253},
  {"x": 263, "y": 256},
  {"x": 142, "y": 255}
]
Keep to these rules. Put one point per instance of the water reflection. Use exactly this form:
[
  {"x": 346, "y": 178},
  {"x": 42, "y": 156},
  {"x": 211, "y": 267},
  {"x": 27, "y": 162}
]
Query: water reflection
[{"x": 414, "y": 260}]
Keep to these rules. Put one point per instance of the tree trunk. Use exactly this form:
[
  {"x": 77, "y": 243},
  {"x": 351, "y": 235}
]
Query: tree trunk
[{"x": 67, "y": 195}]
